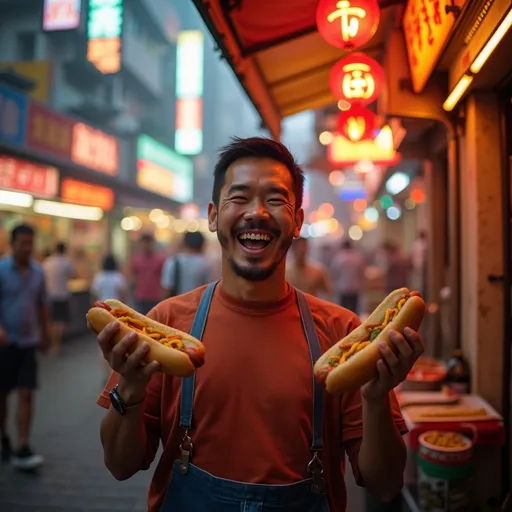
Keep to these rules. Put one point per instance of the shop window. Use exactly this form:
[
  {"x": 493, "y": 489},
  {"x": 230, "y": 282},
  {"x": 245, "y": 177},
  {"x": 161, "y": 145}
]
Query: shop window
[{"x": 26, "y": 45}]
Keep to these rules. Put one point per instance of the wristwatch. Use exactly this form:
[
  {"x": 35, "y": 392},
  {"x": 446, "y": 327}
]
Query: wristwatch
[{"x": 118, "y": 404}]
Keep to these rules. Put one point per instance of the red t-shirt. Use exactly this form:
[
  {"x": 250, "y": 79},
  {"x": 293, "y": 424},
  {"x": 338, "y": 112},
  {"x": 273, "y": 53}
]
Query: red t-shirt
[
  {"x": 147, "y": 271},
  {"x": 253, "y": 399}
]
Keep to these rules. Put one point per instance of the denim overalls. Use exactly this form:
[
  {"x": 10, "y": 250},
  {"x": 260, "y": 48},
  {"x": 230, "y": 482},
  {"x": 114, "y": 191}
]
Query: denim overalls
[{"x": 193, "y": 490}]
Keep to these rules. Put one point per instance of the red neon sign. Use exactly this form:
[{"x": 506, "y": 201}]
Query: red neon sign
[
  {"x": 357, "y": 79},
  {"x": 347, "y": 24},
  {"x": 356, "y": 124},
  {"x": 78, "y": 192}
]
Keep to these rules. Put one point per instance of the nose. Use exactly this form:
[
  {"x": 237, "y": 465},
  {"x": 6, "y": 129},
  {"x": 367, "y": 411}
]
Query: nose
[{"x": 256, "y": 211}]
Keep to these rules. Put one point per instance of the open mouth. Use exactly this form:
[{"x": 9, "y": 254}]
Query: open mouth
[{"x": 254, "y": 241}]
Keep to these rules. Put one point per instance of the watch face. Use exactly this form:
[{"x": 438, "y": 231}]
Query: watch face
[{"x": 116, "y": 402}]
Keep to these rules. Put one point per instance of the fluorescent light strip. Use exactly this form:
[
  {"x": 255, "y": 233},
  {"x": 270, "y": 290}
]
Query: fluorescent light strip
[
  {"x": 457, "y": 93},
  {"x": 16, "y": 199},
  {"x": 70, "y": 211},
  {"x": 491, "y": 45}
]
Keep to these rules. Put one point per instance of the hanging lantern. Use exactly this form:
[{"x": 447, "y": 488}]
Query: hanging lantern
[
  {"x": 357, "y": 78},
  {"x": 356, "y": 124},
  {"x": 347, "y": 24}
]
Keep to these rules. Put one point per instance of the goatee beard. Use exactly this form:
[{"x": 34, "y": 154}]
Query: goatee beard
[{"x": 254, "y": 272}]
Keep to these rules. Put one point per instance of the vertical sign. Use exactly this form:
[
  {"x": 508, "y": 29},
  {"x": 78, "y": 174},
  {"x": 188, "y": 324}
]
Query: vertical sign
[
  {"x": 13, "y": 117},
  {"x": 189, "y": 92},
  {"x": 61, "y": 15},
  {"x": 104, "y": 31}
]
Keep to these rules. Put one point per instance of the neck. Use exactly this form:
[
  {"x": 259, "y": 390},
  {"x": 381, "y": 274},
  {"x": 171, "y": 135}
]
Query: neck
[
  {"x": 300, "y": 262},
  {"x": 270, "y": 289},
  {"x": 21, "y": 263}
]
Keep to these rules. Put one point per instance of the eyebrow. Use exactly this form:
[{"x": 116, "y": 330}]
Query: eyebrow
[
  {"x": 280, "y": 190},
  {"x": 238, "y": 187}
]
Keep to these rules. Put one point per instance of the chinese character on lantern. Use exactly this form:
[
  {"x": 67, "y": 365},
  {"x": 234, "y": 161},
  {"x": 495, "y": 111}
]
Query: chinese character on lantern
[
  {"x": 356, "y": 124},
  {"x": 356, "y": 79},
  {"x": 347, "y": 24}
]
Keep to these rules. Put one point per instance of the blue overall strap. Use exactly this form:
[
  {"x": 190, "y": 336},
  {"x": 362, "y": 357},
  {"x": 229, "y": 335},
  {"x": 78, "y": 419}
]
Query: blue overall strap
[
  {"x": 188, "y": 384},
  {"x": 315, "y": 352}
]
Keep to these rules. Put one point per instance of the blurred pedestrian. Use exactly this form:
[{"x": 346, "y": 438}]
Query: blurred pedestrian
[
  {"x": 188, "y": 269},
  {"x": 146, "y": 273},
  {"x": 58, "y": 270},
  {"x": 419, "y": 262},
  {"x": 265, "y": 436},
  {"x": 347, "y": 271},
  {"x": 305, "y": 274},
  {"x": 109, "y": 283},
  {"x": 24, "y": 327},
  {"x": 398, "y": 266}
]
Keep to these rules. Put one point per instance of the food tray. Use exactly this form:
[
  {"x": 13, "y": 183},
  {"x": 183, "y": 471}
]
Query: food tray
[
  {"x": 413, "y": 413},
  {"x": 414, "y": 398}
]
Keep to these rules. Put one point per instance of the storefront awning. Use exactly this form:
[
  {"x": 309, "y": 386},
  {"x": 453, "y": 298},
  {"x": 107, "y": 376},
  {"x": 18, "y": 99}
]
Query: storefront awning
[{"x": 275, "y": 50}]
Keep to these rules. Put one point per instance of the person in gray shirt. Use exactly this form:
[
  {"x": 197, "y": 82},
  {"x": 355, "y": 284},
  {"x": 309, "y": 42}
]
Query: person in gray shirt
[{"x": 187, "y": 270}]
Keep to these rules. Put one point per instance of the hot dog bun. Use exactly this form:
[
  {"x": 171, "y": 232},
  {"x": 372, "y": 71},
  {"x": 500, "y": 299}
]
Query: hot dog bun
[
  {"x": 173, "y": 361},
  {"x": 361, "y": 367}
]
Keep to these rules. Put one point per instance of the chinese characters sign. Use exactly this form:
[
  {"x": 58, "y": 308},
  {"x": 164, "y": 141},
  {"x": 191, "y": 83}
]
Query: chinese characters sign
[
  {"x": 104, "y": 30},
  {"x": 356, "y": 79},
  {"x": 23, "y": 176},
  {"x": 347, "y": 24},
  {"x": 61, "y": 15},
  {"x": 95, "y": 149},
  {"x": 49, "y": 132},
  {"x": 427, "y": 27},
  {"x": 78, "y": 192},
  {"x": 13, "y": 114}
]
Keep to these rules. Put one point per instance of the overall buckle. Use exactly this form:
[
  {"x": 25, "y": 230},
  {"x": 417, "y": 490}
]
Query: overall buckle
[
  {"x": 316, "y": 470},
  {"x": 186, "y": 448}
]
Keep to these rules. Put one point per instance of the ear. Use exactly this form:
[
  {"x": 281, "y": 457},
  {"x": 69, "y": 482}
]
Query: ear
[
  {"x": 299, "y": 220},
  {"x": 212, "y": 217}
]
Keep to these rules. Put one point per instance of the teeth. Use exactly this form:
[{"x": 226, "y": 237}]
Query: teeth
[{"x": 254, "y": 236}]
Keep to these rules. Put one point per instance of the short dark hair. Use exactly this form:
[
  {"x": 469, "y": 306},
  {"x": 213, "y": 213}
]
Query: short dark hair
[
  {"x": 257, "y": 147},
  {"x": 347, "y": 244},
  {"x": 194, "y": 240},
  {"x": 60, "y": 248},
  {"x": 22, "y": 229},
  {"x": 147, "y": 237},
  {"x": 109, "y": 263}
]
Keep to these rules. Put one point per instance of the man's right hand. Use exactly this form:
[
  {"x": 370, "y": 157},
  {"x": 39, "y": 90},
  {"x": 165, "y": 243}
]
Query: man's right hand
[{"x": 134, "y": 373}]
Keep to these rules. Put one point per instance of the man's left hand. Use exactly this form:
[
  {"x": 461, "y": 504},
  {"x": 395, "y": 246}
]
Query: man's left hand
[{"x": 394, "y": 364}]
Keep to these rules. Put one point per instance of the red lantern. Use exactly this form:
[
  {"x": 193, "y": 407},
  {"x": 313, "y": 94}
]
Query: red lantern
[
  {"x": 356, "y": 124},
  {"x": 347, "y": 24},
  {"x": 357, "y": 79}
]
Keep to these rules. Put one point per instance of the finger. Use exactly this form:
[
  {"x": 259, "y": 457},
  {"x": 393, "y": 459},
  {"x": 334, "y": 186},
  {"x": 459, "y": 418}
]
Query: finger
[
  {"x": 384, "y": 376},
  {"x": 414, "y": 341},
  {"x": 151, "y": 368},
  {"x": 388, "y": 356},
  {"x": 137, "y": 358},
  {"x": 403, "y": 348},
  {"x": 106, "y": 336},
  {"x": 118, "y": 354}
]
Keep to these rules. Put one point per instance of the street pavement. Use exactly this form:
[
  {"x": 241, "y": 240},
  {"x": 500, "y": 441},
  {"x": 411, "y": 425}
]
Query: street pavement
[{"x": 66, "y": 433}]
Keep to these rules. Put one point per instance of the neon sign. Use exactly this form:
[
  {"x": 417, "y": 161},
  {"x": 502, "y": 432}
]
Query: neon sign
[
  {"x": 347, "y": 24},
  {"x": 61, "y": 15},
  {"x": 188, "y": 139},
  {"x": 356, "y": 124},
  {"x": 104, "y": 31}
]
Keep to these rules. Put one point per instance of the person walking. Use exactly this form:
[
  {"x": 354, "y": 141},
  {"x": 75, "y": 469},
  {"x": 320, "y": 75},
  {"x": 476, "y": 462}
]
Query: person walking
[
  {"x": 24, "y": 328},
  {"x": 347, "y": 270},
  {"x": 306, "y": 275},
  {"x": 58, "y": 270},
  {"x": 146, "y": 274},
  {"x": 188, "y": 269},
  {"x": 252, "y": 429},
  {"x": 398, "y": 266}
]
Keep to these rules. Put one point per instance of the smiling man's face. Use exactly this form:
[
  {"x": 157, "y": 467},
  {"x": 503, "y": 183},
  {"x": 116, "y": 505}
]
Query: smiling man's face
[{"x": 256, "y": 219}]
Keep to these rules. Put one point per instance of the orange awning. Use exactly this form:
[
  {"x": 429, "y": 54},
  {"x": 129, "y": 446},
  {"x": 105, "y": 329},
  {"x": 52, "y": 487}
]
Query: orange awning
[{"x": 277, "y": 54}]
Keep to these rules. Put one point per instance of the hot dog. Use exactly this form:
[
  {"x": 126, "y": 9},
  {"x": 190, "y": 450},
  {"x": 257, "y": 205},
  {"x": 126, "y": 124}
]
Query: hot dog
[
  {"x": 178, "y": 353},
  {"x": 352, "y": 362}
]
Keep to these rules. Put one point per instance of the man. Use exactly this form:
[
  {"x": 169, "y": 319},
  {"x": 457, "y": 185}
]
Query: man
[
  {"x": 398, "y": 266},
  {"x": 249, "y": 417},
  {"x": 306, "y": 275},
  {"x": 347, "y": 269},
  {"x": 146, "y": 272},
  {"x": 187, "y": 270},
  {"x": 58, "y": 270},
  {"x": 24, "y": 318}
]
